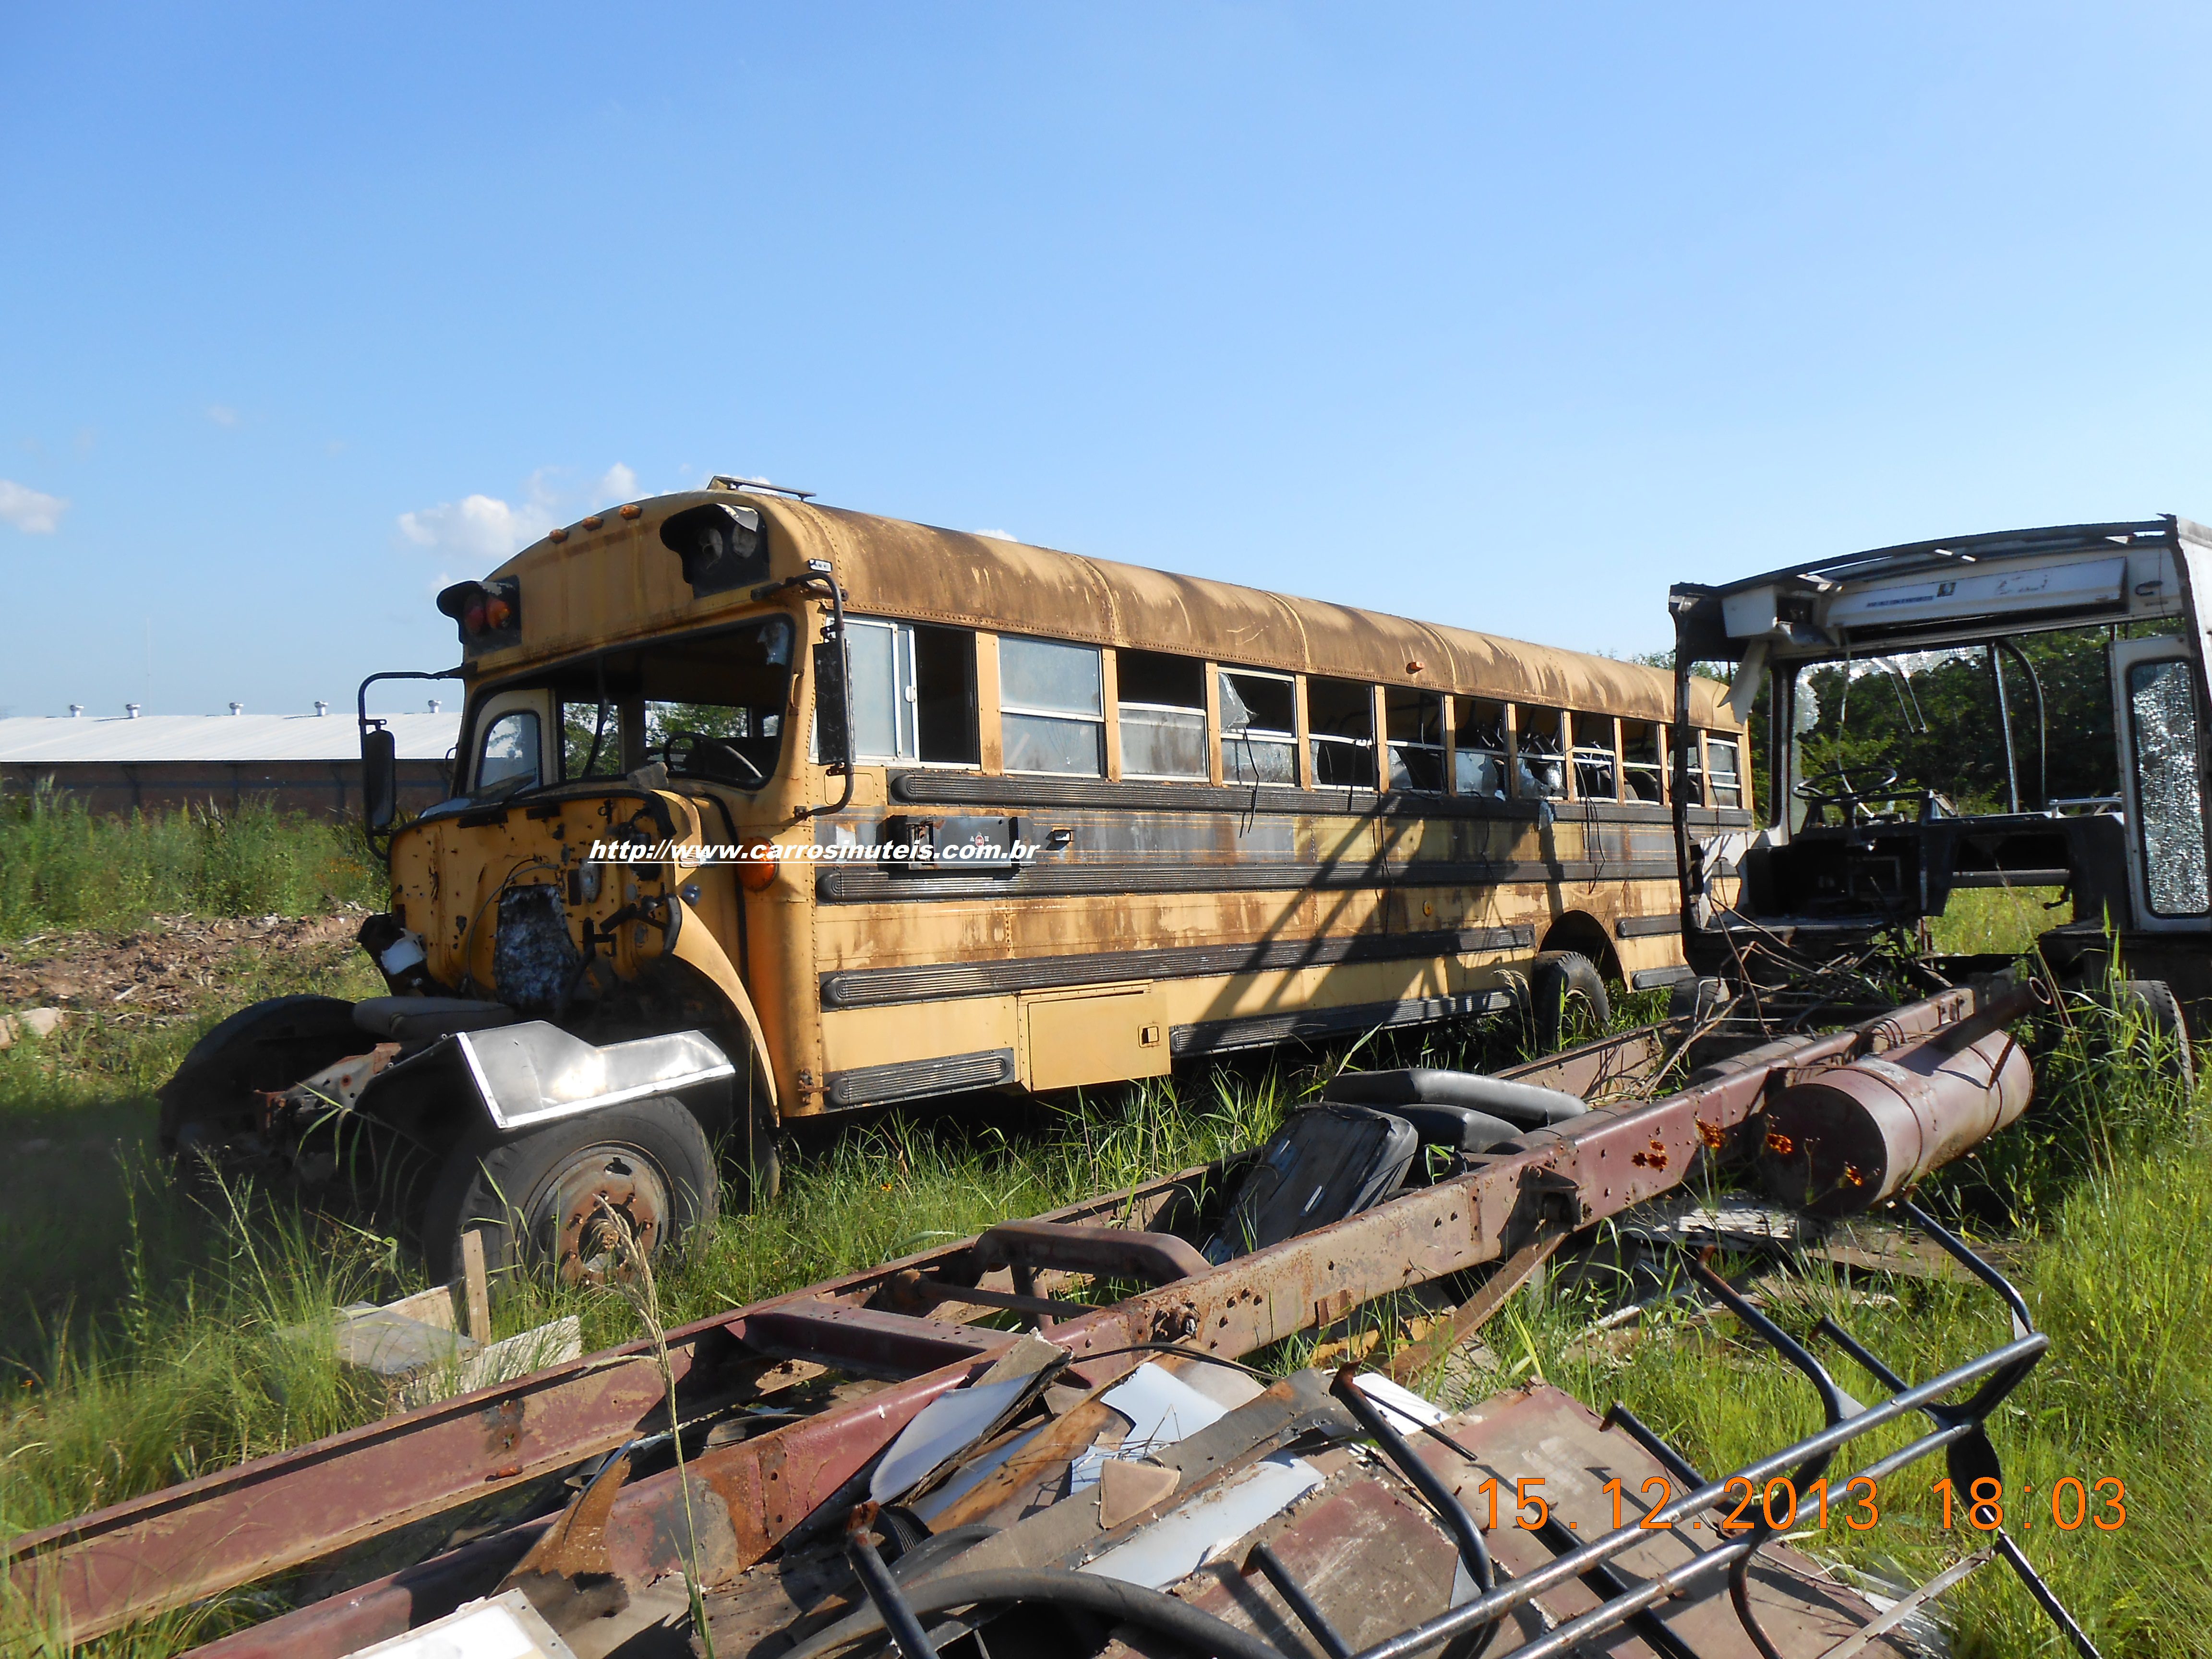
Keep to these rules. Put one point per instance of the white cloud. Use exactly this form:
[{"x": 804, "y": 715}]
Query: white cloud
[
  {"x": 222, "y": 414},
  {"x": 996, "y": 535},
  {"x": 616, "y": 483},
  {"x": 31, "y": 511},
  {"x": 483, "y": 526}
]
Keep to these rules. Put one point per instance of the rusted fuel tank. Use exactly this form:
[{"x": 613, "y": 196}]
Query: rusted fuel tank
[{"x": 1849, "y": 1137}]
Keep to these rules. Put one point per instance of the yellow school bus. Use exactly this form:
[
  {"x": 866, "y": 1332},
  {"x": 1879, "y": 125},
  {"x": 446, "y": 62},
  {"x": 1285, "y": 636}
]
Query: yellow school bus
[{"x": 766, "y": 809}]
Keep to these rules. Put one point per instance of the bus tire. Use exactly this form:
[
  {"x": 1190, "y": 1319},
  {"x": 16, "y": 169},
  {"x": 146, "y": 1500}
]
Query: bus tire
[
  {"x": 266, "y": 1045},
  {"x": 2153, "y": 1001},
  {"x": 1558, "y": 979},
  {"x": 537, "y": 1198}
]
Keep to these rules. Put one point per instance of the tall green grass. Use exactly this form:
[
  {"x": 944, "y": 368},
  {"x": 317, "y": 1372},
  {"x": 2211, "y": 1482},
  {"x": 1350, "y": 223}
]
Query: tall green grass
[
  {"x": 63, "y": 867},
  {"x": 169, "y": 1361},
  {"x": 2109, "y": 1181},
  {"x": 1991, "y": 921}
]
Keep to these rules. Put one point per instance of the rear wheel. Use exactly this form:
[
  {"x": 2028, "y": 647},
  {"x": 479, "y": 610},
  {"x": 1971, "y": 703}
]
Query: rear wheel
[
  {"x": 1565, "y": 994},
  {"x": 562, "y": 1197}
]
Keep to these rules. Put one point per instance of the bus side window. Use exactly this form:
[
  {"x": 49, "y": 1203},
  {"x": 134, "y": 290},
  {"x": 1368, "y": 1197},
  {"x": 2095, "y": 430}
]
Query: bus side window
[
  {"x": 1163, "y": 711},
  {"x": 1723, "y": 761},
  {"x": 1259, "y": 727},
  {"x": 1543, "y": 763},
  {"x": 1641, "y": 761},
  {"x": 1697, "y": 747},
  {"x": 914, "y": 693},
  {"x": 1596, "y": 771},
  {"x": 1340, "y": 717},
  {"x": 881, "y": 718},
  {"x": 509, "y": 750},
  {"x": 1052, "y": 707},
  {"x": 1479, "y": 747},
  {"x": 944, "y": 696},
  {"x": 1416, "y": 723}
]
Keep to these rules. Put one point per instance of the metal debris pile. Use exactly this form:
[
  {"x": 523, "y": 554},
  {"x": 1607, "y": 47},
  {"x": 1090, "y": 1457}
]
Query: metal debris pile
[{"x": 1048, "y": 1439}]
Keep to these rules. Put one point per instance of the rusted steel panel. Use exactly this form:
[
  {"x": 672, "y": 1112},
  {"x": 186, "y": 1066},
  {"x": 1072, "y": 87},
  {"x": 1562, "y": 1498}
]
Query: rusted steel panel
[
  {"x": 616, "y": 579},
  {"x": 1113, "y": 1252},
  {"x": 186, "y": 1542},
  {"x": 1589, "y": 1168},
  {"x": 863, "y": 1341},
  {"x": 387, "y": 1607},
  {"x": 758, "y": 1490},
  {"x": 190, "y": 1541}
]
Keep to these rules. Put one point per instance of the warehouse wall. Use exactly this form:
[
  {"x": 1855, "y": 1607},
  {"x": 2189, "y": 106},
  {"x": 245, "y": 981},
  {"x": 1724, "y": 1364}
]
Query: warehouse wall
[{"x": 329, "y": 788}]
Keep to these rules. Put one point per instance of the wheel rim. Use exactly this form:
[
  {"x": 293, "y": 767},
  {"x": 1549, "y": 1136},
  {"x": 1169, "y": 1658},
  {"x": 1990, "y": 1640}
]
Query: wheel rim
[{"x": 590, "y": 1201}]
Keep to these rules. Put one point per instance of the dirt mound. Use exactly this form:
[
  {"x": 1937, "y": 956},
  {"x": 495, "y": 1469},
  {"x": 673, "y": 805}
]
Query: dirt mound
[{"x": 163, "y": 968}]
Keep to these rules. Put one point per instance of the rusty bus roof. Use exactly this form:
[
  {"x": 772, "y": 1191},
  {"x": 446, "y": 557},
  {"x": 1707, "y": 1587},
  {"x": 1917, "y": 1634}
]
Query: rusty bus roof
[{"x": 609, "y": 578}]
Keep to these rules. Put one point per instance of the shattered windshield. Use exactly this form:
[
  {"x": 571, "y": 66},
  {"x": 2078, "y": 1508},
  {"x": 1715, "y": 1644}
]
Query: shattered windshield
[{"x": 2162, "y": 709}]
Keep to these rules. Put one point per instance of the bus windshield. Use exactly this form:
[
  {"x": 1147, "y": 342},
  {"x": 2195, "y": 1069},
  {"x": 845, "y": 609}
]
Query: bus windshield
[{"x": 711, "y": 706}]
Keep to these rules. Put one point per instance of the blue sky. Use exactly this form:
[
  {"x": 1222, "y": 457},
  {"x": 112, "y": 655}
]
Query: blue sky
[{"x": 1500, "y": 316}]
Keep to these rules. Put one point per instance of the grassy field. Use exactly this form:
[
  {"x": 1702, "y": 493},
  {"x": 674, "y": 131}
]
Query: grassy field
[{"x": 139, "y": 1343}]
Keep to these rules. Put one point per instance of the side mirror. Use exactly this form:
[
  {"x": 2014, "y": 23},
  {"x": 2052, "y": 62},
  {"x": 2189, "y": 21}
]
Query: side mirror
[
  {"x": 833, "y": 706},
  {"x": 379, "y": 777}
]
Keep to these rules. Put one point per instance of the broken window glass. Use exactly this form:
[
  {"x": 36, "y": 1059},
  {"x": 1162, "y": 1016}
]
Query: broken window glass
[
  {"x": 1543, "y": 771},
  {"x": 1478, "y": 747},
  {"x": 1341, "y": 719},
  {"x": 1415, "y": 721},
  {"x": 1643, "y": 760},
  {"x": 1162, "y": 702},
  {"x": 1596, "y": 772},
  {"x": 1259, "y": 727},
  {"x": 2162, "y": 709},
  {"x": 1724, "y": 760}
]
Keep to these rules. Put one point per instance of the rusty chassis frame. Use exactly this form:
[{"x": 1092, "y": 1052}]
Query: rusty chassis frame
[{"x": 182, "y": 1545}]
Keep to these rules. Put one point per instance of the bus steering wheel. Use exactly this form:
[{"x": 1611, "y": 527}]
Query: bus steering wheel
[
  {"x": 1850, "y": 799},
  {"x": 691, "y": 743}
]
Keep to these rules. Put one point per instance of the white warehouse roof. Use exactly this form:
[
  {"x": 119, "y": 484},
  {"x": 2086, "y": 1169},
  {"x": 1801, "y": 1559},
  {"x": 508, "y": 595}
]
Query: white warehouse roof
[{"x": 61, "y": 739}]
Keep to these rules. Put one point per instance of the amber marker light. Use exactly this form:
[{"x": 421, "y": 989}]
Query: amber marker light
[
  {"x": 633, "y": 511},
  {"x": 593, "y": 521},
  {"x": 557, "y": 535}
]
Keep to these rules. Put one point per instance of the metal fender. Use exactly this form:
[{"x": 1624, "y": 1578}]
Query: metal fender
[
  {"x": 690, "y": 941},
  {"x": 530, "y": 1073}
]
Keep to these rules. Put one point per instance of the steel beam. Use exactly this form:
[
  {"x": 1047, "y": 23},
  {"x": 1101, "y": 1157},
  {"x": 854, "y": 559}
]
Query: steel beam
[{"x": 181, "y": 1545}]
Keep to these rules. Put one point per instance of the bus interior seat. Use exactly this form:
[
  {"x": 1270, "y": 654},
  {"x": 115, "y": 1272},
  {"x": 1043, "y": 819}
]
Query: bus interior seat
[{"x": 1326, "y": 1161}]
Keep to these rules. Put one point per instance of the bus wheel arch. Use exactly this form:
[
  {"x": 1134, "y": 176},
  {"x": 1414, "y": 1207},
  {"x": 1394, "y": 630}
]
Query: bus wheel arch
[
  {"x": 1570, "y": 969},
  {"x": 1584, "y": 934}
]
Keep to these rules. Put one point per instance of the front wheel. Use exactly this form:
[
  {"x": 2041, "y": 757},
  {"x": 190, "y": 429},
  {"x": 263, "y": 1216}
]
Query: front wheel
[{"x": 564, "y": 1196}]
